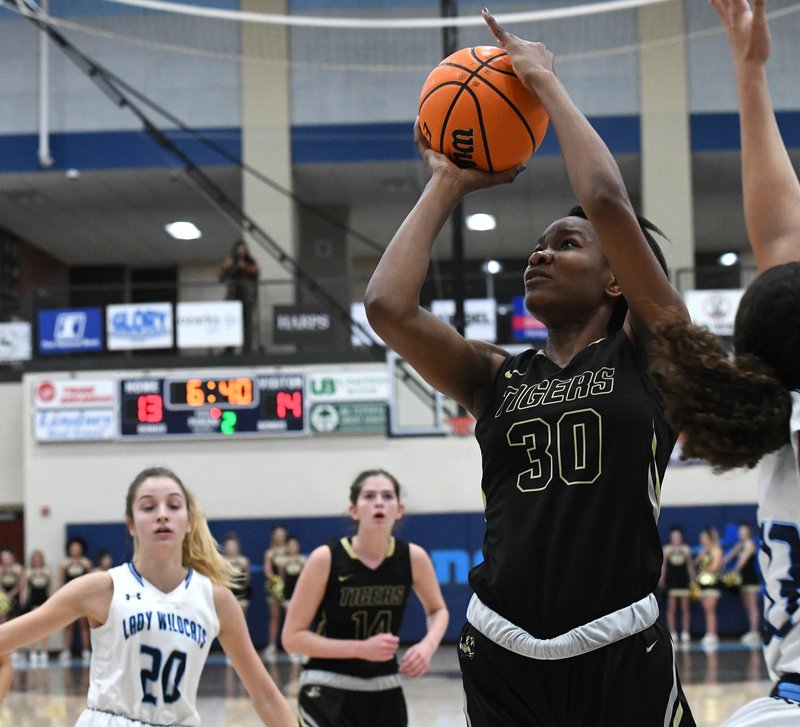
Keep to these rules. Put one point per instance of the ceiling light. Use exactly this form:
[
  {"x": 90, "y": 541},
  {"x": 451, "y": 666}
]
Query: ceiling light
[
  {"x": 183, "y": 230},
  {"x": 492, "y": 267},
  {"x": 728, "y": 258},
  {"x": 481, "y": 222}
]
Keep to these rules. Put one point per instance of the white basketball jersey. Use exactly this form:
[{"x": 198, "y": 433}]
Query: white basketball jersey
[
  {"x": 779, "y": 556},
  {"x": 148, "y": 656}
]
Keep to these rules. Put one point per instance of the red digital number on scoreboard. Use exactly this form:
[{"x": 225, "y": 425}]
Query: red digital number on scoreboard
[
  {"x": 289, "y": 402},
  {"x": 150, "y": 408}
]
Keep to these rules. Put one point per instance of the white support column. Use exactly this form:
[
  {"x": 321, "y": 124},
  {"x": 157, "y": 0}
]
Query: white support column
[
  {"x": 266, "y": 145},
  {"x": 666, "y": 152}
]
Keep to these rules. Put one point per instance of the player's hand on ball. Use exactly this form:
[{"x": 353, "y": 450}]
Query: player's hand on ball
[
  {"x": 528, "y": 59},
  {"x": 416, "y": 660},
  {"x": 468, "y": 180},
  {"x": 380, "y": 647}
]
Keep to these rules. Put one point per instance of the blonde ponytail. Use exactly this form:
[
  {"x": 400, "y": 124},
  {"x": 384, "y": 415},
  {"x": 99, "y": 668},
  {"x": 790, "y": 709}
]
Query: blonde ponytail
[{"x": 201, "y": 551}]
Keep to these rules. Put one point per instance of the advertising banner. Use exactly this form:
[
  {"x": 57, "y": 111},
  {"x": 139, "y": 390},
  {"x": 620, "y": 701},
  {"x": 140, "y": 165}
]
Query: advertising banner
[
  {"x": 74, "y": 394},
  {"x": 70, "y": 330},
  {"x": 301, "y": 324},
  {"x": 205, "y": 324},
  {"x": 15, "y": 341},
  {"x": 714, "y": 309},
  {"x": 365, "y": 417},
  {"x": 133, "y": 326},
  {"x": 480, "y": 315},
  {"x": 349, "y": 386},
  {"x": 65, "y": 425},
  {"x": 524, "y": 327},
  {"x": 359, "y": 315}
]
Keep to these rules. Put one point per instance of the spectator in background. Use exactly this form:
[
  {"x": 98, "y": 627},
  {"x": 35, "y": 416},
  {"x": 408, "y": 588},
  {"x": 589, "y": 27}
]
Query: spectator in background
[
  {"x": 105, "y": 561},
  {"x": 39, "y": 582},
  {"x": 744, "y": 552},
  {"x": 290, "y": 572},
  {"x": 240, "y": 271},
  {"x": 76, "y": 564},
  {"x": 677, "y": 574},
  {"x": 240, "y": 568},
  {"x": 709, "y": 564},
  {"x": 274, "y": 559},
  {"x": 13, "y": 581}
]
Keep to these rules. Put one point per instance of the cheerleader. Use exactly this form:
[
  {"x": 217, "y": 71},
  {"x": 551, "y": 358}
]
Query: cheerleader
[{"x": 677, "y": 575}]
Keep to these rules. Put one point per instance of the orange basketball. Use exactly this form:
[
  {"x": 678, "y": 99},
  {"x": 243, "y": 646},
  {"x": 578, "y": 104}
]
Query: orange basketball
[{"x": 476, "y": 111}]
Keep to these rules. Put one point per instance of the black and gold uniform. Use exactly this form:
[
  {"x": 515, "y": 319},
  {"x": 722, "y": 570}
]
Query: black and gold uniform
[
  {"x": 76, "y": 568},
  {"x": 38, "y": 587},
  {"x": 707, "y": 579},
  {"x": 750, "y": 578},
  {"x": 358, "y": 603},
  {"x": 676, "y": 575},
  {"x": 291, "y": 572},
  {"x": 241, "y": 579},
  {"x": 274, "y": 584},
  {"x": 9, "y": 580},
  {"x": 573, "y": 460}
]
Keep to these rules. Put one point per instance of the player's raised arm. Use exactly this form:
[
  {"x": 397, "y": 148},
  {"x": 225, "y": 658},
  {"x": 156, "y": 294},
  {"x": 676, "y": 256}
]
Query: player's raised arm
[
  {"x": 451, "y": 364},
  {"x": 597, "y": 183},
  {"x": 771, "y": 187}
]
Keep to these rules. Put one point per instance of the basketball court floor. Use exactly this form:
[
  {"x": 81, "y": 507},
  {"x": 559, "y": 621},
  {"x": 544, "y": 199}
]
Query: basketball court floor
[{"x": 716, "y": 684}]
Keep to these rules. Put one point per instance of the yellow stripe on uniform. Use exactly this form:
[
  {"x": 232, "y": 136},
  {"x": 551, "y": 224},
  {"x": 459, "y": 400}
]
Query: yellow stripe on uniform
[
  {"x": 657, "y": 479},
  {"x": 678, "y": 715}
]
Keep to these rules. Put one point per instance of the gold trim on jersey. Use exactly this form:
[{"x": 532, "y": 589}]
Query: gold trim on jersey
[
  {"x": 351, "y": 551},
  {"x": 348, "y": 548},
  {"x": 678, "y": 715}
]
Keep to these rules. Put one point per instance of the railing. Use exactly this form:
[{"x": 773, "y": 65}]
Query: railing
[{"x": 288, "y": 325}]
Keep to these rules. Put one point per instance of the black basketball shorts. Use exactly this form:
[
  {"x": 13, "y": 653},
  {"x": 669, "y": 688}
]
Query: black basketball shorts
[
  {"x": 320, "y": 706},
  {"x": 630, "y": 683}
]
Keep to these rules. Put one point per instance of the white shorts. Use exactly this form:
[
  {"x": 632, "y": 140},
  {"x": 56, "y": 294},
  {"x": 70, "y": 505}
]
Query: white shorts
[
  {"x": 97, "y": 718},
  {"x": 766, "y": 712}
]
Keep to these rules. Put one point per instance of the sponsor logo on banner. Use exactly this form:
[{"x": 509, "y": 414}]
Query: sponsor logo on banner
[
  {"x": 714, "y": 309},
  {"x": 15, "y": 341},
  {"x": 480, "y": 315},
  {"x": 63, "y": 425},
  {"x": 301, "y": 324},
  {"x": 368, "y": 386},
  {"x": 367, "y": 417},
  {"x": 139, "y": 325},
  {"x": 358, "y": 314},
  {"x": 74, "y": 393},
  {"x": 209, "y": 324},
  {"x": 524, "y": 327},
  {"x": 69, "y": 330}
]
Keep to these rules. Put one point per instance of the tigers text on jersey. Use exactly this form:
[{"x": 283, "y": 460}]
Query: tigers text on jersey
[
  {"x": 148, "y": 656},
  {"x": 360, "y": 602},
  {"x": 779, "y": 556},
  {"x": 573, "y": 461}
]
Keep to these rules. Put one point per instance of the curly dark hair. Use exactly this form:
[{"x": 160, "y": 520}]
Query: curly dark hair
[{"x": 733, "y": 411}]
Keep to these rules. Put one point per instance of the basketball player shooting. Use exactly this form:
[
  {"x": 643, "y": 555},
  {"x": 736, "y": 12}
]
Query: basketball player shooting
[{"x": 561, "y": 508}]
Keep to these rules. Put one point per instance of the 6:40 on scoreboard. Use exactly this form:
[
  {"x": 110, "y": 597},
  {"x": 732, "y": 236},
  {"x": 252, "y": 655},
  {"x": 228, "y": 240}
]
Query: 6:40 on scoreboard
[{"x": 213, "y": 406}]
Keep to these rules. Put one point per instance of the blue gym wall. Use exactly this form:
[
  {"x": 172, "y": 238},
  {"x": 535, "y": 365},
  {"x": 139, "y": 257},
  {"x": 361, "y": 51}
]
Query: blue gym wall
[{"x": 453, "y": 540}]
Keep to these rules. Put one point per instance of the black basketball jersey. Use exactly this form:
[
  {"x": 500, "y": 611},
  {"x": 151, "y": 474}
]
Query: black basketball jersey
[
  {"x": 360, "y": 602},
  {"x": 573, "y": 461}
]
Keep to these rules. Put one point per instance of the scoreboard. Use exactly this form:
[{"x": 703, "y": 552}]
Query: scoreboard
[
  {"x": 162, "y": 407},
  {"x": 212, "y": 406}
]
